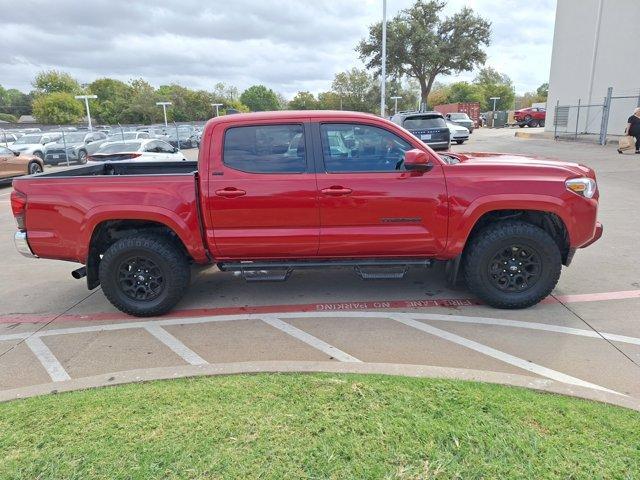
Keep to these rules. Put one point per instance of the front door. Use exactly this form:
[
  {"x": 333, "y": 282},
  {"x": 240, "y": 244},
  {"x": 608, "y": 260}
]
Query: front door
[
  {"x": 369, "y": 204},
  {"x": 262, "y": 198},
  {"x": 9, "y": 167}
]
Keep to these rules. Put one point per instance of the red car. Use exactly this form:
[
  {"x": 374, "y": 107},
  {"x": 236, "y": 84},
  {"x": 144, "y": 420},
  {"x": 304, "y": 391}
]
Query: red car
[
  {"x": 533, "y": 117},
  {"x": 276, "y": 191}
]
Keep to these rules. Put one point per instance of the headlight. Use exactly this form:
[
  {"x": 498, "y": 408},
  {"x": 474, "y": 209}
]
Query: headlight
[{"x": 585, "y": 187}]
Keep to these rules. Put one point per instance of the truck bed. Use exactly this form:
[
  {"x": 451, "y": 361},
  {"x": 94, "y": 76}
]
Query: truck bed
[{"x": 125, "y": 168}]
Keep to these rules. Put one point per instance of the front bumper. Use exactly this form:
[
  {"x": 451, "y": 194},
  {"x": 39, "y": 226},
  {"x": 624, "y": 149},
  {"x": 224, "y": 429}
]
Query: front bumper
[
  {"x": 59, "y": 157},
  {"x": 596, "y": 236},
  {"x": 22, "y": 244}
]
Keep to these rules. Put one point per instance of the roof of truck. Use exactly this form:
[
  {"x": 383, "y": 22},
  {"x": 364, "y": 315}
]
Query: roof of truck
[{"x": 294, "y": 114}]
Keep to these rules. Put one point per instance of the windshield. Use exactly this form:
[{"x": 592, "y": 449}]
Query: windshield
[
  {"x": 72, "y": 138},
  {"x": 425, "y": 121},
  {"x": 119, "y": 147},
  {"x": 459, "y": 116},
  {"x": 27, "y": 139}
]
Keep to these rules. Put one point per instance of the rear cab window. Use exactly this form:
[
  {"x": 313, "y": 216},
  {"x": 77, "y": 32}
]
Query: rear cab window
[
  {"x": 421, "y": 122},
  {"x": 265, "y": 149}
]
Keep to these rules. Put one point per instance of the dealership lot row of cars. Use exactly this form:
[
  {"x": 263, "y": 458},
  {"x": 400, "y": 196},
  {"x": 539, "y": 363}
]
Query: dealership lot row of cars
[{"x": 28, "y": 151}]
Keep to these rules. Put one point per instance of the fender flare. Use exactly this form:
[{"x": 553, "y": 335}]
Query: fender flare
[
  {"x": 94, "y": 217},
  {"x": 459, "y": 232}
]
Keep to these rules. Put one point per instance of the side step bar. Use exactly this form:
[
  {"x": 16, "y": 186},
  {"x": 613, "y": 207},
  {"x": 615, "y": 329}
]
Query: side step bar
[{"x": 367, "y": 269}]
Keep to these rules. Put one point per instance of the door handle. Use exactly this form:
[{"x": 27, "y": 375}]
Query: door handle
[
  {"x": 336, "y": 190},
  {"x": 230, "y": 192}
]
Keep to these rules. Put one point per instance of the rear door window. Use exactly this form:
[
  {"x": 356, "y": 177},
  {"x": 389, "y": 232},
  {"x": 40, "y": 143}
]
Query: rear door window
[{"x": 265, "y": 149}]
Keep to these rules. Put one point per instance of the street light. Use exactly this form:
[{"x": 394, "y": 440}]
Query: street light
[
  {"x": 86, "y": 104},
  {"x": 495, "y": 99},
  {"x": 216, "y": 105},
  {"x": 383, "y": 73},
  {"x": 164, "y": 110},
  {"x": 396, "y": 98}
]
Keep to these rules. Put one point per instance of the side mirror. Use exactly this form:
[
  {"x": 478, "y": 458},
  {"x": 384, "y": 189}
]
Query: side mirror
[
  {"x": 16, "y": 153},
  {"x": 417, "y": 161}
]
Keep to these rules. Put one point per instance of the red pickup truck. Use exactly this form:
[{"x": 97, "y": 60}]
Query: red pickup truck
[{"x": 276, "y": 191}]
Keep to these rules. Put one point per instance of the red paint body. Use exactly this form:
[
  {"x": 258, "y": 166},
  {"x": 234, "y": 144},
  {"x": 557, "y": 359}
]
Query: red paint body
[
  {"x": 532, "y": 113},
  {"x": 308, "y": 215}
]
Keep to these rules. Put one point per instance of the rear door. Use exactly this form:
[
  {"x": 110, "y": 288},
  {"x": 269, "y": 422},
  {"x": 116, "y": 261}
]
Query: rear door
[
  {"x": 262, "y": 197},
  {"x": 370, "y": 206}
]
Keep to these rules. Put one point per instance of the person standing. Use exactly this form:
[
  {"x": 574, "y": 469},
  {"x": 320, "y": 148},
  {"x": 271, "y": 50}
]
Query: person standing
[{"x": 633, "y": 127}]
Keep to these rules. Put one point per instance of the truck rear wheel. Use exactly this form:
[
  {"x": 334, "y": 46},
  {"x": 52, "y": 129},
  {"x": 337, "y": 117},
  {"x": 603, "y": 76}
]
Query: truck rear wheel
[
  {"x": 512, "y": 264},
  {"x": 144, "y": 275}
]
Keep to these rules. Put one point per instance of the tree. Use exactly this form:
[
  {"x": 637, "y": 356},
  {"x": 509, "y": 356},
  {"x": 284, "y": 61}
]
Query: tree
[
  {"x": 465, "y": 92},
  {"x": 113, "y": 99},
  {"x": 543, "y": 92},
  {"x": 260, "y": 99},
  {"x": 57, "y": 108},
  {"x": 329, "y": 101},
  {"x": 141, "y": 107},
  {"x": 303, "y": 101},
  {"x": 495, "y": 84},
  {"x": 54, "y": 81},
  {"x": 14, "y": 102},
  {"x": 354, "y": 87},
  {"x": 422, "y": 45}
]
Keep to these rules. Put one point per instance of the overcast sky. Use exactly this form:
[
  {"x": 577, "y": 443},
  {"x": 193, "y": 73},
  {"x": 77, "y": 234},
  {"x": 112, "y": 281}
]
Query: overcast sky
[{"x": 288, "y": 45}]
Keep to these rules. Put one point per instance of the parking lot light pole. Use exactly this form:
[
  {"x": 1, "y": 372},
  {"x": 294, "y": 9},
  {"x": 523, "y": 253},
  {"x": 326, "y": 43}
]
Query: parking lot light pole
[
  {"x": 164, "y": 110},
  {"x": 216, "y": 105},
  {"x": 86, "y": 104},
  {"x": 396, "y": 98},
  {"x": 383, "y": 72}
]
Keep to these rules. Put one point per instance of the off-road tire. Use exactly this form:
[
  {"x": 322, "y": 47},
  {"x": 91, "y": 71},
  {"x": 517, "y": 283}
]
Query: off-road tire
[
  {"x": 487, "y": 242},
  {"x": 169, "y": 258},
  {"x": 533, "y": 123},
  {"x": 541, "y": 123},
  {"x": 82, "y": 157}
]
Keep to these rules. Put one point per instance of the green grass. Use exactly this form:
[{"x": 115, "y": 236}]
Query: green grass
[{"x": 316, "y": 426}]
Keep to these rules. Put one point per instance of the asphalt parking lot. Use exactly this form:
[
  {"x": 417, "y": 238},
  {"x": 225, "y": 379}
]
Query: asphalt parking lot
[{"x": 56, "y": 335}]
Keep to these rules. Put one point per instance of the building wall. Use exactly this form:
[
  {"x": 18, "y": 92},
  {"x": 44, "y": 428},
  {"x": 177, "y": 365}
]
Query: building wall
[{"x": 582, "y": 69}]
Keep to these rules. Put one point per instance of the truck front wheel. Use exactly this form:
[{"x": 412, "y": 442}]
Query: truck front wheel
[
  {"x": 512, "y": 264},
  {"x": 144, "y": 275}
]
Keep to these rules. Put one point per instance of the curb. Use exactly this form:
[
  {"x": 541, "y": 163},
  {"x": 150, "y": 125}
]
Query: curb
[{"x": 420, "y": 371}]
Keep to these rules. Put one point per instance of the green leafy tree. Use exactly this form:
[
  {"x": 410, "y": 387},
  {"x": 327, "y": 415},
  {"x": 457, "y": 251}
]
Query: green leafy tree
[
  {"x": 303, "y": 101},
  {"x": 142, "y": 107},
  {"x": 7, "y": 117},
  {"x": 14, "y": 102},
  {"x": 355, "y": 88},
  {"x": 260, "y": 99},
  {"x": 113, "y": 99},
  {"x": 329, "y": 101},
  {"x": 54, "y": 81},
  {"x": 494, "y": 84},
  {"x": 543, "y": 92},
  {"x": 465, "y": 92},
  {"x": 57, "y": 108},
  {"x": 422, "y": 43}
]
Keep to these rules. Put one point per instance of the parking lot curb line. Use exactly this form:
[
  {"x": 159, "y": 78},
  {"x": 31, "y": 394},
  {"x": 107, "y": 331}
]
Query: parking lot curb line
[
  {"x": 500, "y": 355},
  {"x": 175, "y": 345},
  {"x": 316, "y": 307},
  {"x": 419, "y": 371},
  {"x": 48, "y": 360},
  {"x": 309, "y": 339}
]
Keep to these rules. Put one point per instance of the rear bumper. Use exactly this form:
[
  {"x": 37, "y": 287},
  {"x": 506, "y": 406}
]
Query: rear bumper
[
  {"x": 22, "y": 244},
  {"x": 596, "y": 236}
]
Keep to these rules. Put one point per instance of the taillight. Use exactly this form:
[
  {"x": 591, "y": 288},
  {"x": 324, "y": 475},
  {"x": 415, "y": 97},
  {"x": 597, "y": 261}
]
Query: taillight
[{"x": 19, "y": 207}]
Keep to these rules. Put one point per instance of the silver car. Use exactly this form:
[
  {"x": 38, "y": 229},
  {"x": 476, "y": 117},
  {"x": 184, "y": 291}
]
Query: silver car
[
  {"x": 79, "y": 145},
  {"x": 458, "y": 133}
]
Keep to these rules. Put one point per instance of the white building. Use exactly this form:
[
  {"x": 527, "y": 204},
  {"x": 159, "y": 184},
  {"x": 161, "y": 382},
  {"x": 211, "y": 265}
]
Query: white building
[{"x": 596, "y": 45}]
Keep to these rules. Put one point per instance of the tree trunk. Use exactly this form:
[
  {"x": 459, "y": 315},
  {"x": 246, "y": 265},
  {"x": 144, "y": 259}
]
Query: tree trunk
[{"x": 425, "y": 88}]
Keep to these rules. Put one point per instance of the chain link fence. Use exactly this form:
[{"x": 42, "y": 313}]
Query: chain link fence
[{"x": 595, "y": 121}]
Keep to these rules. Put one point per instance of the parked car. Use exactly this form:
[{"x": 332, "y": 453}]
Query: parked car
[
  {"x": 7, "y": 139},
  {"x": 123, "y": 136},
  {"x": 79, "y": 146},
  {"x": 12, "y": 164},
  {"x": 532, "y": 117},
  {"x": 138, "y": 150},
  {"x": 184, "y": 137},
  {"x": 461, "y": 119},
  {"x": 430, "y": 127},
  {"x": 256, "y": 204},
  {"x": 35, "y": 143},
  {"x": 458, "y": 133}
]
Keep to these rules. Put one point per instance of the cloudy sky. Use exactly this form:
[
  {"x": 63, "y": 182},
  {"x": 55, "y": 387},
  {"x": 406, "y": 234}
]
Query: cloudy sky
[{"x": 289, "y": 45}]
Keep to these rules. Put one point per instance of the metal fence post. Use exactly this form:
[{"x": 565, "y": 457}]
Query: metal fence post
[
  {"x": 555, "y": 120},
  {"x": 64, "y": 142},
  {"x": 577, "y": 118},
  {"x": 605, "y": 117},
  {"x": 177, "y": 134}
]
